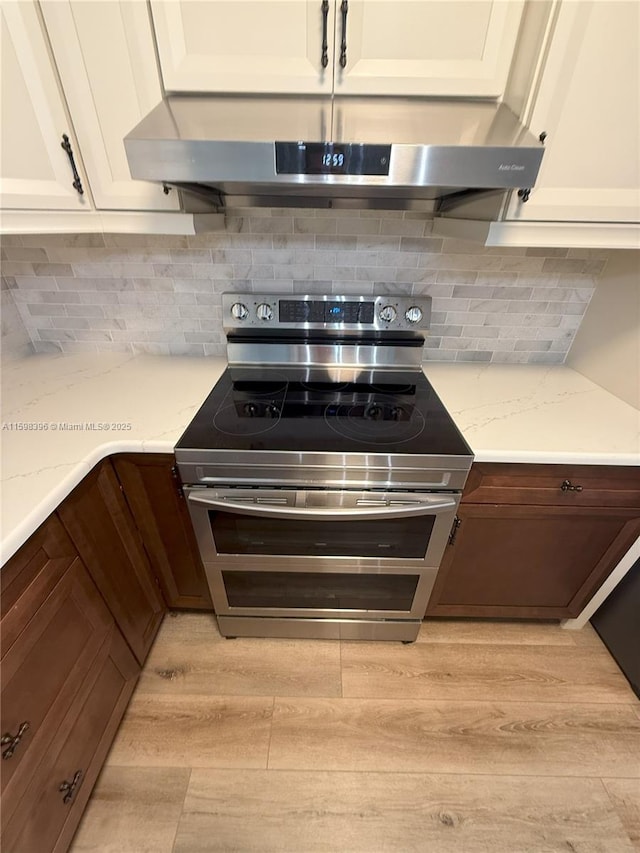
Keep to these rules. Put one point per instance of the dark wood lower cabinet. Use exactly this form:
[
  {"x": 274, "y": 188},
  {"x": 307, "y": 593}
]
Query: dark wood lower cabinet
[
  {"x": 97, "y": 518},
  {"x": 153, "y": 493},
  {"x": 530, "y": 561},
  {"x": 67, "y": 675}
]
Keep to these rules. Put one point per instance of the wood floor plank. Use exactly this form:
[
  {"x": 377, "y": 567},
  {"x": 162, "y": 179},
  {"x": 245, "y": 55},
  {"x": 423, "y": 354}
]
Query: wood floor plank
[
  {"x": 133, "y": 810},
  {"x": 495, "y": 632},
  {"x": 194, "y": 731},
  {"x": 190, "y": 657},
  {"x": 462, "y": 737},
  {"x": 458, "y": 671},
  {"x": 625, "y": 796},
  {"x": 287, "y": 812}
]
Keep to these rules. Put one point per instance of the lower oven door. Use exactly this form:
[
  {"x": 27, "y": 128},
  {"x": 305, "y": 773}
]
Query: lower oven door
[{"x": 321, "y": 554}]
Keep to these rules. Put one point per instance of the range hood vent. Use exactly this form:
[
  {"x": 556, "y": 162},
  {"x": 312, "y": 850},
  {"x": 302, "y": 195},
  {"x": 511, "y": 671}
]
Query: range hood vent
[{"x": 385, "y": 153}]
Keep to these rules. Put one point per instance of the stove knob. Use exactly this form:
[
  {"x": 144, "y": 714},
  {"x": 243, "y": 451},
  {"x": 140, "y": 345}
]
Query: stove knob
[
  {"x": 272, "y": 411},
  {"x": 264, "y": 311},
  {"x": 388, "y": 313},
  {"x": 239, "y": 311},
  {"x": 250, "y": 409},
  {"x": 413, "y": 314},
  {"x": 396, "y": 413},
  {"x": 374, "y": 412}
]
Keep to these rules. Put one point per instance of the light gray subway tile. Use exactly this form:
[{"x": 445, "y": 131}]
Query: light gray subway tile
[
  {"x": 514, "y": 333},
  {"x": 249, "y": 272},
  {"x": 286, "y": 256},
  {"x": 108, "y": 283},
  {"x": 283, "y": 285},
  {"x": 398, "y": 259},
  {"x": 197, "y": 311},
  {"x": 19, "y": 253},
  {"x": 590, "y": 254},
  {"x": 231, "y": 256},
  {"x": 69, "y": 323},
  {"x": 559, "y": 265},
  {"x": 415, "y": 276},
  {"x": 458, "y": 343},
  {"x": 290, "y": 271},
  {"x": 438, "y": 355},
  {"x": 402, "y": 227},
  {"x": 100, "y": 297},
  {"x": 541, "y": 252},
  {"x": 8, "y": 282},
  {"x": 311, "y": 225},
  {"x": 138, "y": 297},
  {"x": 428, "y": 288},
  {"x": 454, "y": 246},
  {"x": 498, "y": 279},
  {"x": 393, "y": 288},
  {"x": 473, "y": 355},
  {"x": 517, "y": 306},
  {"x": 577, "y": 308},
  {"x": 173, "y": 298},
  {"x": 569, "y": 322},
  {"x": 212, "y": 300},
  {"x": 56, "y": 335},
  {"x": 147, "y": 348},
  {"x": 494, "y": 344},
  {"x": 22, "y": 268},
  {"x": 93, "y": 335},
  {"x": 47, "y": 347},
  {"x": 11, "y": 240},
  {"x": 432, "y": 342},
  {"x": 200, "y": 338},
  {"x": 532, "y": 346},
  {"x": 360, "y": 227},
  {"x": 375, "y": 242},
  {"x": 50, "y": 310},
  {"x": 509, "y": 357},
  {"x": 349, "y": 287},
  {"x": 209, "y": 240},
  {"x": 35, "y": 283},
  {"x": 132, "y": 270},
  {"x": 489, "y": 332},
  {"x": 215, "y": 349},
  {"x": 154, "y": 285},
  {"x": 474, "y": 291},
  {"x": 323, "y": 213},
  {"x": 562, "y": 294},
  {"x": 421, "y": 244},
  {"x": 443, "y": 304},
  {"x": 457, "y": 277},
  {"x": 312, "y": 286},
  {"x": 174, "y": 271},
  {"x": 524, "y": 265},
  {"x": 545, "y": 279},
  {"x": 33, "y": 325},
  {"x": 355, "y": 258},
  {"x": 505, "y": 251},
  {"x": 545, "y": 358},
  {"x": 442, "y": 330},
  {"x": 209, "y": 324},
  {"x": 525, "y": 320},
  {"x": 190, "y": 256},
  {"x": 366, "y": 213},
  {"x": 107, "y": 323},
  {"x": 270, "y": 225},
  {"x": 192, "y": 285},
  {"x": 247, "y": 241},
  {"x": 466, "y": 318},
  {"x": 512, "y": 292},
  {"x": 336, "y": 274}
]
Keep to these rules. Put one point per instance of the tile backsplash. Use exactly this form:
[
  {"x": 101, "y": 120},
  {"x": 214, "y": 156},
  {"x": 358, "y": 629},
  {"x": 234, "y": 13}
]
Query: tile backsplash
[
  {"x": 15, "y": 340},
  {"x": 161, "y": 294}
]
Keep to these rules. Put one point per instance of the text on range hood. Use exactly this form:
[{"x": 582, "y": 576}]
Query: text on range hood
[{"x": 325, "y": 152}]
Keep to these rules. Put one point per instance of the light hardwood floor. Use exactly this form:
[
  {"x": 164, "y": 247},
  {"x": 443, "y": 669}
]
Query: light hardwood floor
[{"x": 482, "y": 737}]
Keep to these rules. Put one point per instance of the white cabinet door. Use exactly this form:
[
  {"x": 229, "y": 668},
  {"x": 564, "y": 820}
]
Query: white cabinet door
[
  {"x": 35, "y": 172},
  {"x": 243, "y": 45},
  {"x": 426, "y": 47},
  {"x": 106, "y": 60},
  {"x": 589, "y": 105}
]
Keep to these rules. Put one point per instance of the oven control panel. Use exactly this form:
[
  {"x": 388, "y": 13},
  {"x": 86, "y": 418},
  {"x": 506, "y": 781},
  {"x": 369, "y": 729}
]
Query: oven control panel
[{"x": 292, "y": 311}]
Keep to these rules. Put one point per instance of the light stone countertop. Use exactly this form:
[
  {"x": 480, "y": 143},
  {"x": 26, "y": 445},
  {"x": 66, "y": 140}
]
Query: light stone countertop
[{"x": 507, "y": 413}]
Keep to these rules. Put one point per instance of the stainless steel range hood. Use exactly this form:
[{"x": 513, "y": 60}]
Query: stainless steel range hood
[{"x": 428, "y": 154}]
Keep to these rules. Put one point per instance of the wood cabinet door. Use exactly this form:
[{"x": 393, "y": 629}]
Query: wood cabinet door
[
  {"x": 588, "y": 102},
  {"x": 97, "y": 518},
  {"x": 36, "y": 172},
  {"x": 43, "y": 820},
  {"x": 426, "y": 47},
  {"x": 105, "y": 56},
  {"x": 50, "y": 639},
  {"x": 243, "y": 45},
  {"x": 530, "y": 561},
  {"x": 152, "y": 489}
]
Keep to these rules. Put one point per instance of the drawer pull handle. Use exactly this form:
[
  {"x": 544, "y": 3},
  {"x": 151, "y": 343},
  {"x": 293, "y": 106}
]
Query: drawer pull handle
[
  {"x": 454, "y": 530},
  {"x": 77, "y": 183},
  {"x": 69, "y": 788},
  {"x": 325, "y": 47},
  {"x": 12, "y": 741},
  {"x": 568, "y": 487}
]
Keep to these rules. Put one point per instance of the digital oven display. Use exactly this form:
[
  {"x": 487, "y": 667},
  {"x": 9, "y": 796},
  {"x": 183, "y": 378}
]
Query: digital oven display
[
  {"x": 311, "y": 311},
  {"x": 329, "y": 158}
]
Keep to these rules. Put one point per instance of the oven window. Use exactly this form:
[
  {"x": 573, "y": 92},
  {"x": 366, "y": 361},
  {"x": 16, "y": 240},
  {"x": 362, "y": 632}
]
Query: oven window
[
  {"x": 320, "y": 590},
  {"x": 405, "y": 538}
]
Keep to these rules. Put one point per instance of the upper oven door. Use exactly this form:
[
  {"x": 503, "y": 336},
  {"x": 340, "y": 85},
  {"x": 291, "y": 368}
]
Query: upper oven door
[{"x": 364, "y": 529}]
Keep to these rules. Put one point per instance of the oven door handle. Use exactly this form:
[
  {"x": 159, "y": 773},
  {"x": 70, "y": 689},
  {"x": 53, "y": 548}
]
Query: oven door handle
[{"x": 434, "y": 506}]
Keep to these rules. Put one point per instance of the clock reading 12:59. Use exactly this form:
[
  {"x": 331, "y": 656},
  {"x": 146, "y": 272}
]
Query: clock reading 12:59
[{"x": 333, "y": 159}]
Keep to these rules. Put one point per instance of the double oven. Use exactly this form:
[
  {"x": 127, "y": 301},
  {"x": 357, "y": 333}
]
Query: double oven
[{"x": 323, "y": 473}]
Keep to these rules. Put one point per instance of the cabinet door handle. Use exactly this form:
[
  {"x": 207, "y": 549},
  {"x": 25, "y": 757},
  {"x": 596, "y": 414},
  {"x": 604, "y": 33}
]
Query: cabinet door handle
[
  {"x": 454, "y": 530},
  {"x": 77, "y": 183},
  {"x": 69, "y": 788},
  {"x": 567, "y": 486},
  {"x": 325, "y": 44},
  {"x": 344, "y": 8},
  {"x": 12, "y": 741}
]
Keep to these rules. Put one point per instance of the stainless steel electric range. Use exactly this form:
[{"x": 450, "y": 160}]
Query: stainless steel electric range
[{"x": 323, "y": 472}]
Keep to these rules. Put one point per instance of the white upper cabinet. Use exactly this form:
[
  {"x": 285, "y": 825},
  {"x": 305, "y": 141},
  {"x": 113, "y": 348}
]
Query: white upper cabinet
[
  {"x": 244, "y": 45},
  {"x": 392, "y": 47},
  {"x": 425, "y": 47},
  {"x": 35, "y": 171},
  {"x": 588, "y": 102},
  {"x": 106, "y": 60}
]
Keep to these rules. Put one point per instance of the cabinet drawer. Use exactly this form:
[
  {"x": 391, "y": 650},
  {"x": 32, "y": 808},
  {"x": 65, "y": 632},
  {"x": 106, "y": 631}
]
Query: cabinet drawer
[
  {"x": 50, "y": 638},
  {"x": 43, "y": 821},
  {"x": 542, "y": 485}
]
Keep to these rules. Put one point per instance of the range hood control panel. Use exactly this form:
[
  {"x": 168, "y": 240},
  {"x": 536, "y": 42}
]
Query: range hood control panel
[
  {"x": 331, "y": 158},
  {"x": 260, "y": 311}
]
